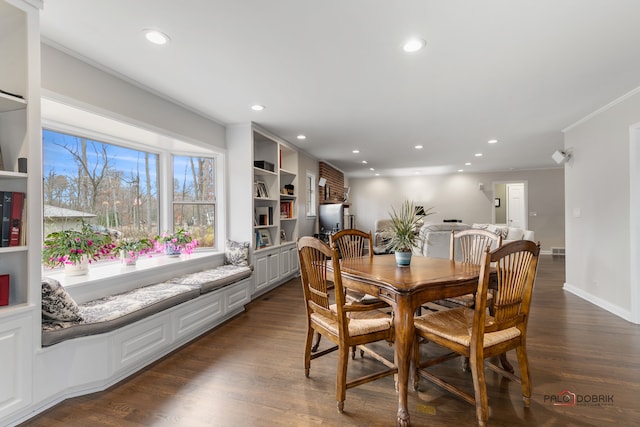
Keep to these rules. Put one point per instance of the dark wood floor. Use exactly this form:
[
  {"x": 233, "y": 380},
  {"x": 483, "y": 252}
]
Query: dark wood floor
[{"x": 249, "y": 372}]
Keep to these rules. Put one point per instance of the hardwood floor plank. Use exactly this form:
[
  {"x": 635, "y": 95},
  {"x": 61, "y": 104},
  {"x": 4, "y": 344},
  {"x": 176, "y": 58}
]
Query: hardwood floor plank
[{"x": 249, "y": 372}]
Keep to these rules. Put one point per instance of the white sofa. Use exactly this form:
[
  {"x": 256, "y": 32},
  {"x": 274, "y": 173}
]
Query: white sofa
[{"x": 435, "y": 238}]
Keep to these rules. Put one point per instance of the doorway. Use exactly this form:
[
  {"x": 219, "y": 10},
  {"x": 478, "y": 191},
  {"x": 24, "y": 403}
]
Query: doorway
[{"x": 510, "y": 203}]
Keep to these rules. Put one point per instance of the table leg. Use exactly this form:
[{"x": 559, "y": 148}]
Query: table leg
[{"x": 404, "y": 334}]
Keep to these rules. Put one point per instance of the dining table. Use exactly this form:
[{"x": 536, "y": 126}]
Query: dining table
[{"x": 406, "y": 289}]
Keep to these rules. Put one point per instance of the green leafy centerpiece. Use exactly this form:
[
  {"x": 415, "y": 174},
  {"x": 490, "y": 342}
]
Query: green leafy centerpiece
[{"x": 403, "y": 233}]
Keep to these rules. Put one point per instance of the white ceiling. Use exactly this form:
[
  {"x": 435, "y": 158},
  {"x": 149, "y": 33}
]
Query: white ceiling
[{"x": 519, "y": 71}]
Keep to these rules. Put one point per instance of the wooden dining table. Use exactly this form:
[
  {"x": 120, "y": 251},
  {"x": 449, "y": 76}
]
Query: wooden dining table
[{"x": 405, "y": 289}]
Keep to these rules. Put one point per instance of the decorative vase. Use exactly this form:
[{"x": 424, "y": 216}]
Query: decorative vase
[
  {"x": 403, "y": 259},
  {"x": 128, "y": 258},
  {"x": 78, "y": 269},
  {"x": 173, "y": 250}
]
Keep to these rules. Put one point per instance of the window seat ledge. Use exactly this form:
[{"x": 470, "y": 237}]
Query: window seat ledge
[{"x": 115, "y": 311}]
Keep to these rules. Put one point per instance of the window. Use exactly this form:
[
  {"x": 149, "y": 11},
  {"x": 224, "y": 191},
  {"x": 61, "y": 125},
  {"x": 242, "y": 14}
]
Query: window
[
  {"x": 118, "y": 186},
  {"x": 109, "y": 186},
  {"x": 311, "y": 194},
  {"x": 194, "y": 197}
]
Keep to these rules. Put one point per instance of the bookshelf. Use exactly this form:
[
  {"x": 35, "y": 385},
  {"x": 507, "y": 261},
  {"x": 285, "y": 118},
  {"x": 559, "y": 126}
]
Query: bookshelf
[
  {"x": 273, "y": 182},
  {"x": 20, "y": 138}
]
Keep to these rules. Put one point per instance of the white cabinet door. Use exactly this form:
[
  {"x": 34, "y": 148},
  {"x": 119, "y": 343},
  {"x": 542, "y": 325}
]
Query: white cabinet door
[
  {"x": 293, "y": 260},
  {"x": 285, "y": 268},
  {"x": 261, "y": 273},
  {"x": 274, "y": 267},
  {"x": 16, "y": 356}
]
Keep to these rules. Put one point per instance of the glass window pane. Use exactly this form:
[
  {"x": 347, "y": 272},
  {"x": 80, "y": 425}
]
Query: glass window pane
[
  {"x": 194, "y": 197},
  {"x": 112, "y": 187},
  {"x": 193, "y": 179},
  {"x": 198, "y": 219}
]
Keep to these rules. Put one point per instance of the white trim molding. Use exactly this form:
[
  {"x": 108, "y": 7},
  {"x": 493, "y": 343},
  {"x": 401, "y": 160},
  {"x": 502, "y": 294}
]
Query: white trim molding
[{"x": 606, "y": 305}]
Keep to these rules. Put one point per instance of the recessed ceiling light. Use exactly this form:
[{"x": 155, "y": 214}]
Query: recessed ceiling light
[
  {"x": 492, "y": 141},
  {"x": 413, "y": 45},
  {"x": 257, "y": 107},
  {"x": 377, "y": 174},
  {"x": 460, "y": 170},
  {"x": 418, "y": 147},
  {"x": 478, "y": 154},
  {"x": 372, "y": 169},
  {"x": 355, "y": 151},
  {"x": 468, "y": 164},
  {"x": 364, "y": 162},
  {"x": 301, "y": 136},
  {"x": 156, "y": 37}
]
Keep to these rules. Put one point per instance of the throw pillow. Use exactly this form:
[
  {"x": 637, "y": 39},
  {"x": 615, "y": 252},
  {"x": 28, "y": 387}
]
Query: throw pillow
[
  {"x": 236, "y": 253},
  {"x": 515, "y": 233},
  {"x": 57, "y": 304}
]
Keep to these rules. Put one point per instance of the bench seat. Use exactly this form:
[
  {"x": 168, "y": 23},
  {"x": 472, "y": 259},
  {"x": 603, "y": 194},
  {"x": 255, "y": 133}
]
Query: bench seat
[
  {"x": 112, "y": 312},
  {"x": 215, "y": 278},
  {"x": 115, "y": 311}
]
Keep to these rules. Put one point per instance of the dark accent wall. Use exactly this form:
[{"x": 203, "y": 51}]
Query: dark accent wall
[{"x": 333, "y": 191}]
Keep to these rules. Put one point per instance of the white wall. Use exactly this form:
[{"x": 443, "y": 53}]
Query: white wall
[
  {"x": 597, "y": 206},
  {"x": 306, "y": 225},
  {"x": 70, "y": 78},
  {"x": 458, "y": 196}
]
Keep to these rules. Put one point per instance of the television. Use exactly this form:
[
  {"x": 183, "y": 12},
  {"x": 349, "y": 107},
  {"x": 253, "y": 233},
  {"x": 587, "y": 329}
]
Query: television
[{"x": 331, "y": 218}]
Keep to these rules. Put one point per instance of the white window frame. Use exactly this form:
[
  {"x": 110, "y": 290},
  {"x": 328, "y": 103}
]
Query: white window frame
[
  {"x": 311, "y": 205},
  {"x": 74, "y": 125}
]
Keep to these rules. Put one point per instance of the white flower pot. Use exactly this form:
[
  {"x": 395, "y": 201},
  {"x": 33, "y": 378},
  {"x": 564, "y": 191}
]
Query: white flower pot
[{"x": 79, "y": 269}]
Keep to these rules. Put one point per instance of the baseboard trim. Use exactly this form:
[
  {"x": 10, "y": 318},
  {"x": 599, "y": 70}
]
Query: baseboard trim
[{"x": 606, "y": 305}]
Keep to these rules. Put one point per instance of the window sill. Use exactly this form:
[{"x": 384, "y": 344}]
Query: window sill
[{"x": 109, "y": 278}]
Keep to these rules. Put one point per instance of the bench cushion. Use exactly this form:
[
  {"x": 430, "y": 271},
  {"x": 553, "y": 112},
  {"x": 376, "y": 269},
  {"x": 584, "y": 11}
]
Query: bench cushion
[
  {"x": 215, "y": 278},
  {"x": 112, "y": 312}
]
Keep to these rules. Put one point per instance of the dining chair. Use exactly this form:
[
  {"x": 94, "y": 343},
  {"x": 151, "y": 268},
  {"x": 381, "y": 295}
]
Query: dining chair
[
  {"x": 344, "y": 324},
  {"x": 354, "y": 243},
  {"x": 478, "y": 335},
  {"x": 470, "y": 248}
]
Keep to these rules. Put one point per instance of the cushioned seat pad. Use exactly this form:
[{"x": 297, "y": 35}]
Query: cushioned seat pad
[
  {"x": 210, "y": 280},
  {"x": 112, "y": 312}
]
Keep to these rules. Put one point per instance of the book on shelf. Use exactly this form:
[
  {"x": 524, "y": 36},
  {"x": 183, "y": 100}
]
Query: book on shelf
[
  {"x": 5, "y": 280},
  {"x": 262, "y": 215},
  {"x": 286, "y": 209},
  {"x": 16, "y": 219},
  {"x": 5, "y": 226}
]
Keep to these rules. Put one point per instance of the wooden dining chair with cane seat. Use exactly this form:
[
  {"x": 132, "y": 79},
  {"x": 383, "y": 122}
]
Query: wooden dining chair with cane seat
[
  {"x": 470, "y": 248},
  {"x": 353, "y": 243},
  {"x": 478, "y": 335},
  {"x": 344, "y": 324}
]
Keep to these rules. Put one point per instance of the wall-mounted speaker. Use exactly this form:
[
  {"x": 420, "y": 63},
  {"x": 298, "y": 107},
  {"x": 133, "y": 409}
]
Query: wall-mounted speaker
[{"x": 560, "y": 157}]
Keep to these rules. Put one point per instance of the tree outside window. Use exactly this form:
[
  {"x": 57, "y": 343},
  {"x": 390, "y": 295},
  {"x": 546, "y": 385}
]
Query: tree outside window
[
  {"x": 194, "y": 199},
  {"x": 111, "y": 187}
]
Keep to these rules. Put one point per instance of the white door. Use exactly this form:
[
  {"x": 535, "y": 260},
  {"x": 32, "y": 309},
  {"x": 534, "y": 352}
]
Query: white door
[{"x": 516, "y": 214}]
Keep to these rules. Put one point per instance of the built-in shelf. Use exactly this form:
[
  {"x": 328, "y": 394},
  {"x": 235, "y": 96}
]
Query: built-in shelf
[
  {"x": 11, "y": 103},
  {"x": 13, "y": 175}
]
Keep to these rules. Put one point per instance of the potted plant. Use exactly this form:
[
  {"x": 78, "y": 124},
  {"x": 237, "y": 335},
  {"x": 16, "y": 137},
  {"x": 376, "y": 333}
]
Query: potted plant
[
  {"x": 403, "y": 232},
  {"x": 176, "y": 243},
  {"x": 75, "y": 249},
  {"x": 131, "y": 249}
]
